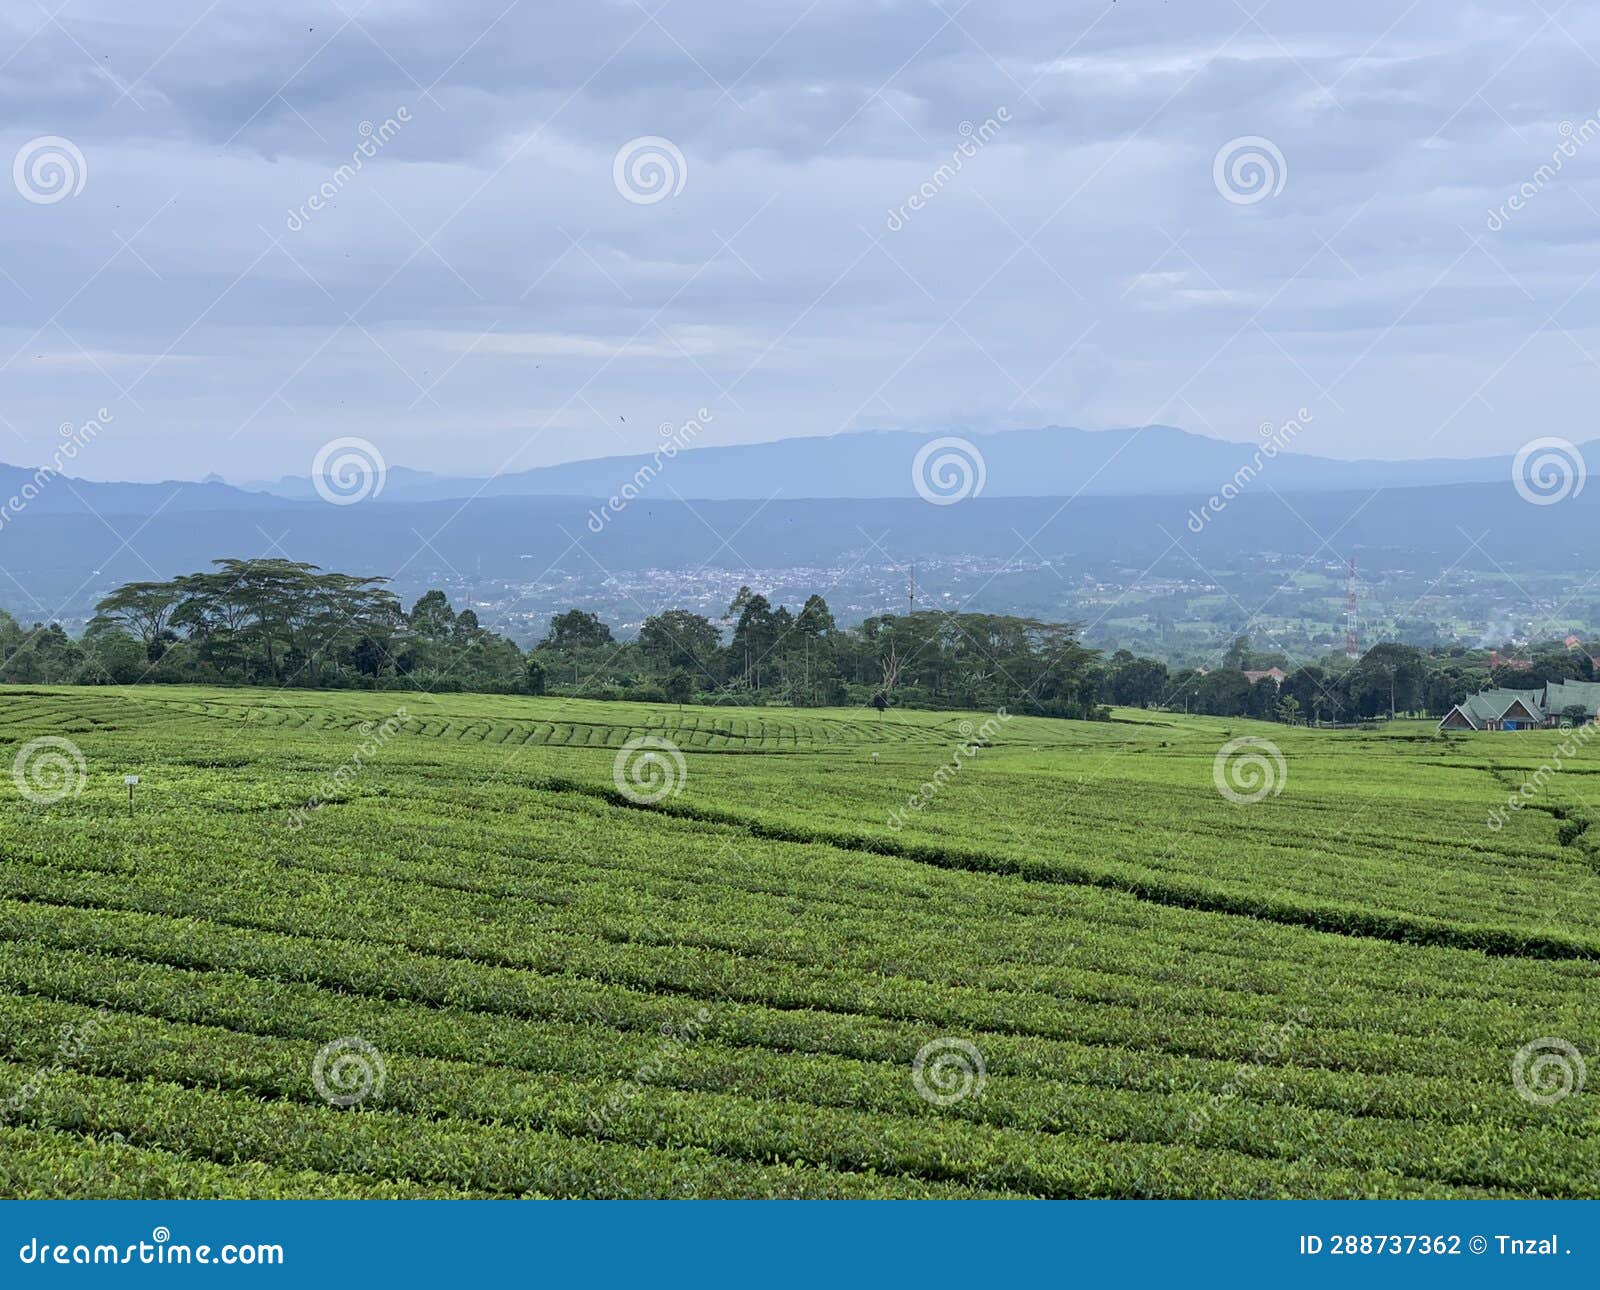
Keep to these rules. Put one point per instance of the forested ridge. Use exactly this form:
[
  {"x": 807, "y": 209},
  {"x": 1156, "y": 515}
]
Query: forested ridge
[{"x": 281, "y": 623}]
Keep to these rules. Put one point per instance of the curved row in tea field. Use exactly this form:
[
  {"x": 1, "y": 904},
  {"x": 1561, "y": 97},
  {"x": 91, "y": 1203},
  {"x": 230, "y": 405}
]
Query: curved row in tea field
[{"x": 727, "y": 993}]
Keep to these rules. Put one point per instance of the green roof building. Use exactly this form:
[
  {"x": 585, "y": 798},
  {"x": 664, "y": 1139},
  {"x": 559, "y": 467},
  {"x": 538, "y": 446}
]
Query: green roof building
[
  {"x": 1524, "y": 709},
  {"x": 1498, "y": 710},
  {"x": 1561, "y": 695}
]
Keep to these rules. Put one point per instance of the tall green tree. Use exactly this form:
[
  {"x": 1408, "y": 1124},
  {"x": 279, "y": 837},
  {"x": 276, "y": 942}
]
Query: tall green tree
[
  {"x": 144, "y": 610},
  {"x": 577, "y": 629},
  {"x": 680, "y": 640}
]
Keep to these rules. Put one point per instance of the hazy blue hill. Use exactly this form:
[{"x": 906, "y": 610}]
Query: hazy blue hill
[
  {"x": 1049, "y": 462},
  {"x": 526, "y": 539},
  {"x": 1043, "y": 463},
  {"x": 60, "y": 494}
]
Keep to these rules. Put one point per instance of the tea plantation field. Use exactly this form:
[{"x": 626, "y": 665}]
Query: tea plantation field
[{"x": 373, "y": 945}]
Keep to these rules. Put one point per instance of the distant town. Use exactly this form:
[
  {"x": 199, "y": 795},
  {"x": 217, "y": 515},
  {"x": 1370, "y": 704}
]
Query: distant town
[{"x": 1183, "y": 618}]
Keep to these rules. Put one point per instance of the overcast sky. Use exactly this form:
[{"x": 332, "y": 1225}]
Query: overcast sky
[{"x": 494, "y": 287}]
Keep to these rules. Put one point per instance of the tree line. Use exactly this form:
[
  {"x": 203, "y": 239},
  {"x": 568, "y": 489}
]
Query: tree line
[
  {"x": 1389, "y": 679},
  {"x": 279, "y": 622}
]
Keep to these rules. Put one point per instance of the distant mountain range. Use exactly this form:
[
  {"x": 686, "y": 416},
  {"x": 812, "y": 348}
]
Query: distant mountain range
[
  {"x": 1086, "y": 499},
  {"x": 1050, "y": 462},
  {"x": 1053, "y": 461},
  {"x": 69, "y": 560},
  {"x": 63, "y": 495}
]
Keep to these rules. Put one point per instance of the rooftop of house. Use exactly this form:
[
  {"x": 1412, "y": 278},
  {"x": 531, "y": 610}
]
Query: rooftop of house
[
  {"x": 1560, "y": 695},
  {"x": 1276, "y": 673},
  {"x": 1493, "y": 705}
]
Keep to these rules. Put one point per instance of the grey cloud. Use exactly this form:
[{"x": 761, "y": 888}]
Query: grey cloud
[{"x": 477, "y": 289}]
